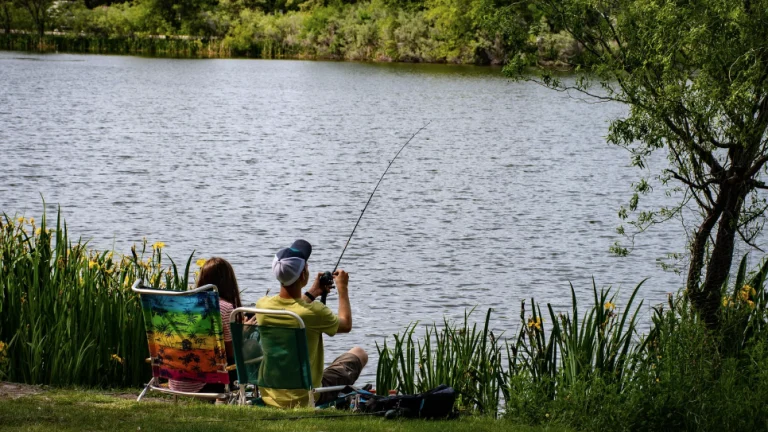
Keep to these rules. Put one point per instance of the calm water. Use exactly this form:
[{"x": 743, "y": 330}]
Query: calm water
[{"x": 511, "y": 192}]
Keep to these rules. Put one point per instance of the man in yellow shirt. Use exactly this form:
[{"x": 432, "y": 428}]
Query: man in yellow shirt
[{"x": 292, "y": 271}]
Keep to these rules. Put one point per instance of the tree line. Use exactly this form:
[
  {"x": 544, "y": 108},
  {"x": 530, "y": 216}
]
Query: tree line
[{"x": 454, "y": 31}]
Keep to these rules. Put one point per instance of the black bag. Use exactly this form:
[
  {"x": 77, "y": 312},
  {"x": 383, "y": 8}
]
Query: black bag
[{"x": 435, "y": 403}]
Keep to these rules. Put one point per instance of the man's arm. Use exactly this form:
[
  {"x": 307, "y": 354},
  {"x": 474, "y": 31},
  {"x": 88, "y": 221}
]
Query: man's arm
[{"x": 341, "y": 278}]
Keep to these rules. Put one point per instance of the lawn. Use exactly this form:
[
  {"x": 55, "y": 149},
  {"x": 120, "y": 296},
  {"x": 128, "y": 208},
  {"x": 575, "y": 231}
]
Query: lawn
[{"x": 118, "y": 411}]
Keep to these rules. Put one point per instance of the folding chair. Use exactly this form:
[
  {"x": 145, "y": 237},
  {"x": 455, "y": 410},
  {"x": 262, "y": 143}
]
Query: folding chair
[
  {"x": 185, "y": 337},
  {"x": 272, "y": 357}
]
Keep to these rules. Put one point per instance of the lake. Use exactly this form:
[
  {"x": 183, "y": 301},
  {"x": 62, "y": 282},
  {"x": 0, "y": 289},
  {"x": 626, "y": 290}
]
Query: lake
[{"x": 510, "y": 193}]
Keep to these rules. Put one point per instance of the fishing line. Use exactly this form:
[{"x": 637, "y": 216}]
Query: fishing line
[{"x": 327, "y": 279}]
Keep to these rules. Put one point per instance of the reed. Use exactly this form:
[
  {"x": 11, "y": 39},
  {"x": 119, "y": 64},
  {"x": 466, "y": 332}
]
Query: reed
[
  {"x": 67, "y": 313},
  {"x": 471, "y": 359},
  {"x": 462, "y": 355},
  {"x": 94, "y": 44}
]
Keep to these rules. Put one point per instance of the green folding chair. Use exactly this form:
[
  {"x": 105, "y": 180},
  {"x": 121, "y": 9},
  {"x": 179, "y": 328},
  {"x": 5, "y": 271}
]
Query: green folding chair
[{"x": 272, "y": 357}]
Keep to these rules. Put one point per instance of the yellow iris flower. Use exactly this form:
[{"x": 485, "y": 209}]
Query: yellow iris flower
[
  {"x": 200, "y": 262},
  {"x": 609, "y": 306},
  {"x": 535, "y": 323},
  {"x": 158, "y": 245}
]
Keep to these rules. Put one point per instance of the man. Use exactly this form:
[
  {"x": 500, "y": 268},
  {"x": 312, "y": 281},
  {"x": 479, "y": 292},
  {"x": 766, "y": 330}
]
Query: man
[{"x": 292, "y": 271}]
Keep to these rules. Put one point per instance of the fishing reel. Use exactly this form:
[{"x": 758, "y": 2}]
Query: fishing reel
[{"x": 326, "y": 282}]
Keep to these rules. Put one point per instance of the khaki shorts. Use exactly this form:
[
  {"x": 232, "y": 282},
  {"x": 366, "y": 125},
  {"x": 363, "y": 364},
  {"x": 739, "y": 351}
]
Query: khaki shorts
[{"x": 343, "y": 371}]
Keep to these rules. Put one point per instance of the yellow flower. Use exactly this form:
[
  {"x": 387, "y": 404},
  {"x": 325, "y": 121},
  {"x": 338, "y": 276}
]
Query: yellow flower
[
  {"x": 32, "y": 221},
  {"x": 609, "y": 306},
  {"x": 535, "y": 323},
  {"x": 20, "y": 220},
  {"x": 744, "y": 295},
  {"x": 726, "y": 301},
  {"x": 200, "y": 262},
  {"x": 93, "y": 264},
  {"x": 38, "y": 231},
  {"x": 158, "y": 245},
  {"x": 117, "y": 358},
  {"x": 2, "y": 346},
  {"x": 109, "y": 255},
  {"x": 751, "y": 304}
]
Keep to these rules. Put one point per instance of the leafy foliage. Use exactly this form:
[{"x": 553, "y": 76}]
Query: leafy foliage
[
  {"x": 695, "y": 77},
  {"x": 457, "y": 31}
]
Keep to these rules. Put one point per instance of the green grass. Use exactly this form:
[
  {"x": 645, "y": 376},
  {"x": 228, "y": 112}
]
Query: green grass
[{"x": 64, "y": 410}]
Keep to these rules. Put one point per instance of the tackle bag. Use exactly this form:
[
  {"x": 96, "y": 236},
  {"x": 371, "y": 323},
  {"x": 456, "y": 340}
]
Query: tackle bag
[{"x": 435, "y": 403}]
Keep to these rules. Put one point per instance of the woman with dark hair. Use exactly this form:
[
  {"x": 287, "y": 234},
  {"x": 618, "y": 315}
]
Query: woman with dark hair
[{"x": 216, "y": 271}]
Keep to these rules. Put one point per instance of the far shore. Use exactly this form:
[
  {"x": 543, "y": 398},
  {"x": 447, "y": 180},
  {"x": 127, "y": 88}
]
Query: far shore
[{"x": 197, "y": 47}]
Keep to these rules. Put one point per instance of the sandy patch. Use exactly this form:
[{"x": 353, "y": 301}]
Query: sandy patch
[{"x": 15, "y": 390}]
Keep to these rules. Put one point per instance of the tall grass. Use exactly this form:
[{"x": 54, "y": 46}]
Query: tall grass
[
  {"x": 67, "y": 314},
  {"x": 94, "y": 44},
  {"x": 471, "y": 359},
  {"x": 461, "y": 355}
]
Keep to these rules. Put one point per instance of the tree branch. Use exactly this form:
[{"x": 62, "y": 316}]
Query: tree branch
[
  {"x": 749, "y": 241},
  {"x": 757, "y": 166}
]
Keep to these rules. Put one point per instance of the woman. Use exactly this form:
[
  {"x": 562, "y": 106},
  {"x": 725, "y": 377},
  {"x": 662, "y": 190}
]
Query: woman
[{"x": 219, "y": 272}]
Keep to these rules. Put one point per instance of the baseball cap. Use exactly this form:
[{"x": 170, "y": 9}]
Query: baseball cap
[{"x": 289, "y": 262}]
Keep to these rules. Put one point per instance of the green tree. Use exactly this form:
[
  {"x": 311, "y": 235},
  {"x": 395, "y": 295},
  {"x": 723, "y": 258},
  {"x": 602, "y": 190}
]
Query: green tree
[
  {"x": 39, "y": 13},
  {"x": 178, "y": 13},
  {"x": 6, "y": 15},
  {"x": 694, "y": 74}
]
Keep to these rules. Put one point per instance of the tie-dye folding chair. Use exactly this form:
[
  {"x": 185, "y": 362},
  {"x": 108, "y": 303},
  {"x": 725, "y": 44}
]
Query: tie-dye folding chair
[{"x": 185, "y": 337}]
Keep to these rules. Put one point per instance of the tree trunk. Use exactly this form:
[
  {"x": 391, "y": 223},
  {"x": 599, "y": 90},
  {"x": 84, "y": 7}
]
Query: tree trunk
[
  {"x": 6, "y": 15},
  {"x": 706, "y": 297}
]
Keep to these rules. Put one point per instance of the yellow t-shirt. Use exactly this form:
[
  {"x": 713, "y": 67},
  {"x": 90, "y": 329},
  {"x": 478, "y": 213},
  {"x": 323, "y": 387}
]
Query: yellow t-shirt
[{"x": 318, "y": 319}]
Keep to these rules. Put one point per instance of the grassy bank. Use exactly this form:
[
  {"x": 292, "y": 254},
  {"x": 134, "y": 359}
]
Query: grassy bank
[
  {"x": 590, "y": 368},
  {"x": 149, "y": 46},
  {"x": 73, "y": 410}
]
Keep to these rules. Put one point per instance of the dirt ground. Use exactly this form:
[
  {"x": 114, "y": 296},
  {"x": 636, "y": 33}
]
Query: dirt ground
[
  {"x": 16, "y": 390},
  {"x": 9, "y": 390}
]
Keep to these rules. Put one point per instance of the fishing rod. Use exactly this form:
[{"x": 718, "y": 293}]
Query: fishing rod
[{"x": 326, "y": 280}]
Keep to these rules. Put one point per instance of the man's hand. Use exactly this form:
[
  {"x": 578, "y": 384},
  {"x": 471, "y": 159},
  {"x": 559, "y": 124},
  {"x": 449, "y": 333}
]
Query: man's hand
[
  {"x": 317, "y": 288},
  {"x": 341, "y": 279}
]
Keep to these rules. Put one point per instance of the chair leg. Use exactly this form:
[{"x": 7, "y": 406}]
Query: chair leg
[{"x": 143, "y": 392}]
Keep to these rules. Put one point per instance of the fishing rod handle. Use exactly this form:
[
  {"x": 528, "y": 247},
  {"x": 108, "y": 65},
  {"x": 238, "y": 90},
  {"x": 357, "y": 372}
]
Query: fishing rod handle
[{"x": 326, "y": 280}]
